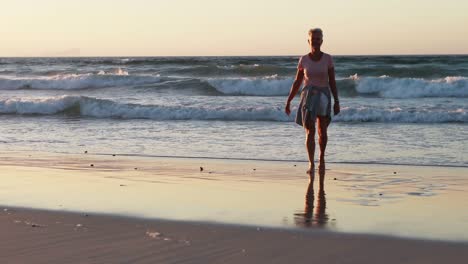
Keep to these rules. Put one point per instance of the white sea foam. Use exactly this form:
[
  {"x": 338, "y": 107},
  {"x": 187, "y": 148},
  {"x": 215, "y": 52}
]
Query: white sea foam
[
  {"x": 383, "y": 86},
  {"x": 117, "y": 71},
  {"x": 398, "y": 115},
  {"x": 231, "y": 67},
  {"x": 412, "y": 87},
  {"x": 92, "y": 107},
  {"x": 101, "y": 79},
  {"x": 354, "y": 77},
  {"x": 99, "y": 108}
]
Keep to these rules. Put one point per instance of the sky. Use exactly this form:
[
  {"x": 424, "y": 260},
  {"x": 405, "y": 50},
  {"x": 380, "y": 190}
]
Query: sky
[{"x": 226, "y": 28}]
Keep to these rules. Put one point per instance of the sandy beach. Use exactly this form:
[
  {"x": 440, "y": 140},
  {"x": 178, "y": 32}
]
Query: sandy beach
[
  {"x": 168, "y": 132},
  {"x": 87, "y": 208},
  {"x": 31, "y": 236}
]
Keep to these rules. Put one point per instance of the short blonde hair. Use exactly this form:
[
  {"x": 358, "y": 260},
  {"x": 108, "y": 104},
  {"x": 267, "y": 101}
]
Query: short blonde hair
[{"x": 315, "y": 30}]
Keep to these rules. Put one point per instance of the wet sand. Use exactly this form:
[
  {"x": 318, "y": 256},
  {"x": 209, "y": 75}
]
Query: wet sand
[
  {"x": 97, "y": 209},
  {"x": 31, "y": 236}
]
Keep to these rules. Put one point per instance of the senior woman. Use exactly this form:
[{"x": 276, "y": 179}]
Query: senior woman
[{"x": 316, "y": 71}]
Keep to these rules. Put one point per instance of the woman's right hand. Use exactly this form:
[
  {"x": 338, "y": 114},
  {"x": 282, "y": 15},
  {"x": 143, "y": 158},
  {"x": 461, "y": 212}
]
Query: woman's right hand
[
  {"x": 287, "y": 109},
  {"x": 336, "y": 108}
]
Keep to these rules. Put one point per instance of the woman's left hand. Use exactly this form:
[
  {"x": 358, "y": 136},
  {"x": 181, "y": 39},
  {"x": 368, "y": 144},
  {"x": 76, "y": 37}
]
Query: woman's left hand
[
  {"x": 336, "y": 108},
  {"x": 287, "y": 108}
]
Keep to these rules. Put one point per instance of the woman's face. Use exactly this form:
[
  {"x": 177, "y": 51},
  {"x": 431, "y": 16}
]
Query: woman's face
[{"x": 315, "y": 40}]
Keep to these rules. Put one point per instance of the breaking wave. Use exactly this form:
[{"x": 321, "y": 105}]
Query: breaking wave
[
  {"x": 384, "y": 86},
  {"x": 101, "y": 79},
  {"x": 387, "y": 87},
  {"x": 272, "y": 85},
  {"x": 100, "y": 108},
  {"x": 267, "y": 86}
]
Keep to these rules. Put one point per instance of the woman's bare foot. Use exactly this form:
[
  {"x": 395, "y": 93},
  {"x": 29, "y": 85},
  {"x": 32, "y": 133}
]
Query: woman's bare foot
[{"x": 311, "y": 169}]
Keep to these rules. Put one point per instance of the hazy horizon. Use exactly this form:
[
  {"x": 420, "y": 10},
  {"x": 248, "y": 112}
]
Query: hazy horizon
[
  {"x": 52, "y": 28},
  {"x": 188, "y": 56}
]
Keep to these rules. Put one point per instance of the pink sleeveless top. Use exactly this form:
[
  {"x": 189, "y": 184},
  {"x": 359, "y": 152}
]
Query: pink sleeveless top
[{"x": 316, "y": 72}]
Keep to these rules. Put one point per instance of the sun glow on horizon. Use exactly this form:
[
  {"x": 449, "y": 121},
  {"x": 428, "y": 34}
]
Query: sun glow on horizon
[{"x": 219, "y": 28}]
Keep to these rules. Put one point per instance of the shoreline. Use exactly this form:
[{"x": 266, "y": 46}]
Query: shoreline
[
  {"x": 279, "y": 160},
  {"x": 146, "y": 156}
]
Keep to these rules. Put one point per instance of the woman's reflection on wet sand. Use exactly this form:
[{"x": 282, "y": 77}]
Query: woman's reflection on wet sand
[{"x": 313, "y": 217}]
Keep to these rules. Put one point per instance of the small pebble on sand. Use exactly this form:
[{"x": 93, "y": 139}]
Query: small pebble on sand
[{"x": 153, "y": 234}]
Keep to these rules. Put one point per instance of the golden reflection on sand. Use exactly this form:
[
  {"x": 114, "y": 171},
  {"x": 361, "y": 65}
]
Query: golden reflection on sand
[
  {"x": 396, "y": 200},
  {"x": 310, "y": 217}
]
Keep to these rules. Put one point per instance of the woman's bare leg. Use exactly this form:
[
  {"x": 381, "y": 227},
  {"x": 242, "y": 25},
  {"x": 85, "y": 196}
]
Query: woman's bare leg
[
  {"x": 323, "y": 123},
  {"x": 310, "y": 146}
]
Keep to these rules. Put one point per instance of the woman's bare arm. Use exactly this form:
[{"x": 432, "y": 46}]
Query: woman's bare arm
[
  {"x": 294, "y": 89},
  {"x": 334, "y": 90}
]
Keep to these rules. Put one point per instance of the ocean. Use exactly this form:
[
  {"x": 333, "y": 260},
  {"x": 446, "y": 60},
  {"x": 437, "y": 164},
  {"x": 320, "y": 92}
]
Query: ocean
[{"x": 395, "y": 109}]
